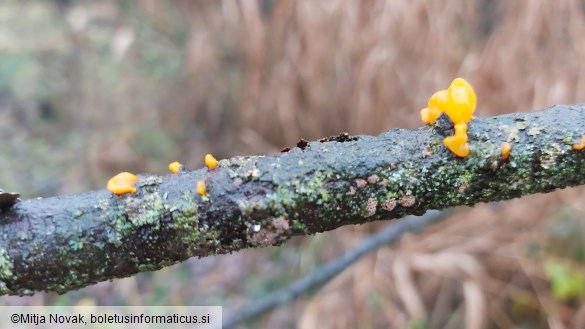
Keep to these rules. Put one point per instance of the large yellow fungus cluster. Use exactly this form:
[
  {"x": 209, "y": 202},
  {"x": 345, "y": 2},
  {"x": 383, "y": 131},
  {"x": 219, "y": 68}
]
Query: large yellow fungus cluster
[{"x": 458, "y": 102}]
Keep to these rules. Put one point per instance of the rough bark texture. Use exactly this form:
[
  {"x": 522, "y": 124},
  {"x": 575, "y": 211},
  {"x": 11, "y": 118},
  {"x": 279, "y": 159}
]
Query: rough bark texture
[{"x": 68, "y": 242}]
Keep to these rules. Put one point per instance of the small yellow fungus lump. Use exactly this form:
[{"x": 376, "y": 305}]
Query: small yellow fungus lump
[
  {"x": 175, "y": 167},
  {"x": 201, "y": 188},
  {"x": 435, "y": 107},
  {"x": 210, "y": 161},
  {"x": 506, "y": 148},
  {"x": 579, "y": 146},
  {"x": 458, "y": 142},
  {"x": 122, "y": 183}
]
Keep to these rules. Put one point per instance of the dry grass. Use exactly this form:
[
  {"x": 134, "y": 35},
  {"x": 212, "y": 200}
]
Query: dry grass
[{"x": 98, "y": 87}]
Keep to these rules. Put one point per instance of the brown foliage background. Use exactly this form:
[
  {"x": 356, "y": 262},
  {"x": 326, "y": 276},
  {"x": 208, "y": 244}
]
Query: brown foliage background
[{"x": 88, "y": 89}]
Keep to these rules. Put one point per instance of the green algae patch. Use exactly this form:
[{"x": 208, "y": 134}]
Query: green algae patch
[
  {"x": 195, "y": 237},
  {"x": 281, "y": 202},
  {"x": 135, "y": 212},
  {"x": 186, "y": 220},
  {"x": 6, "y": 270},
  {"x": 146, "y": 210},
  {"x": 6, "y": 266}
]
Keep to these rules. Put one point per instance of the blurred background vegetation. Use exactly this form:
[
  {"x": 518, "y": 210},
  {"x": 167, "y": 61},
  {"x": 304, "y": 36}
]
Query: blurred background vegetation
[{"x": 92, "y": 88}]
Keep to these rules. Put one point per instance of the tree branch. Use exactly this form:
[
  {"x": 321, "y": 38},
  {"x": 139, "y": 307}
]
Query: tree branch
[{"x": 68, "y": 242}]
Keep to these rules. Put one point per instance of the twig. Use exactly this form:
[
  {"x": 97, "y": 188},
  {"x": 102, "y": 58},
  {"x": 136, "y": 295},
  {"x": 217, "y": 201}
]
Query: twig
[
  {"x": 321, "y": 275},
  {"x": 65, "y": 243}
]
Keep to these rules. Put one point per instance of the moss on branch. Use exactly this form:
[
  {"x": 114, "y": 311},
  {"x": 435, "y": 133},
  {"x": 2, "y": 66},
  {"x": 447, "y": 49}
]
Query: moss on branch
[{"x": 68, "y": 242}]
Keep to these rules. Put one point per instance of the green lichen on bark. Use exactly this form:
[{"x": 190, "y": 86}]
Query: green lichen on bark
[
  {"x": 64, "y": 243},
  {"x": 6, "y": 268}
]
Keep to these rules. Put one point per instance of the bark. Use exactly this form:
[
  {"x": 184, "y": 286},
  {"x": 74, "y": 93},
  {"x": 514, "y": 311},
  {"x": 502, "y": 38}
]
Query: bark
[{"x": 68, "y": 242}]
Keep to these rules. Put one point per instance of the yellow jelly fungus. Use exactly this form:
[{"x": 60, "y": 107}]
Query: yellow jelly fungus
[
  {"x": 460, "y": 102},
  {"x": 506, "y": 148},
  {"x": 458, "y": 142},
  {"x": 461, "y": 132},
  {"x": 175, "y": 167},
  {"x": 579, "y": 146},
  {"x": 122, "y": 183},
  {"x": 201, "y": 189},
  {"x": 435, "y": 107},
  {"x": 210, "y": 161}
]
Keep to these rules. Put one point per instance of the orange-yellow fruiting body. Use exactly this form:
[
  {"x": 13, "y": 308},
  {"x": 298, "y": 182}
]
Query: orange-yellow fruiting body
[
  {"x": 210, "y": 161},
  {"x": 506, "y": 148},
  {"x": 460, "y": 149},
  {"x": 428, "y": 115},
  {"x": 201, "y": 188},
  {"x": 458, "y": 142},
  {"x": 460, "y": 102},
  {"x": 579, "y": 146},
  {"x": 175, "y": 167},
  {"x": 461, "y": 130},
  {"x": 438, "y": 100},
  {"x": 435, "y": 107},
  {"x": 122, "y": 183}
]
